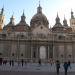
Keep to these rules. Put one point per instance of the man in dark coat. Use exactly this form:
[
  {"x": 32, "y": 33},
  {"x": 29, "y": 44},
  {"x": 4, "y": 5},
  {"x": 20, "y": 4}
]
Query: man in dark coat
[
  {"x": 57, "y": 66},
  {"x": 39, "y": 61},
  {"x": 65, "y": 67},
  {"x": 22, "y": 61}
]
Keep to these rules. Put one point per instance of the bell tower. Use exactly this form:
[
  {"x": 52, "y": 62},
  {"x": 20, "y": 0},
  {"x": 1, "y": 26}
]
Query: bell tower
[
  {"x": 72, "y": 21},
  {"x": 1, "y": 18}
]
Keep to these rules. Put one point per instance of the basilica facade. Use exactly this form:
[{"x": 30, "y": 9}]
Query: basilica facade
[{"x": 37, "y": 41}]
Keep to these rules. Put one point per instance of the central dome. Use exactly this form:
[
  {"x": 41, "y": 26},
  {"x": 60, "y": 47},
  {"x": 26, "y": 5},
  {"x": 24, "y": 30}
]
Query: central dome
[{"x": 39, "y": 18}]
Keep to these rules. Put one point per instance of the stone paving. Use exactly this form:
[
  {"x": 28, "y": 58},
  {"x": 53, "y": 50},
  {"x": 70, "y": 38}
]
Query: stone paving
[
  {"x": 35, "y": 67},
  {"x": 32, "y": 73}
]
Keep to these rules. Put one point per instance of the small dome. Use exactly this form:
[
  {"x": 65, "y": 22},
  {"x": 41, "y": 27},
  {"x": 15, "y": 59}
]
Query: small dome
[
  {"x": 10, "y": 26},
  {"x": 22, "y": 26},
  {"x": 58, "y": 27},
  {"x": 39, "y": 18},
  {"x": 57, "y": 24},
  {"x": 65, "y": 25}
]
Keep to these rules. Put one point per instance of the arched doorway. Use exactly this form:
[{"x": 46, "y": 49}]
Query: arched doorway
[{"x": 42, "y": 52}]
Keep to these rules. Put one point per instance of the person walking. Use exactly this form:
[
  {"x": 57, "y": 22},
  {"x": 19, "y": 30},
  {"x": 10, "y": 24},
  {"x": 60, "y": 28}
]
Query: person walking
[
  {"x": 57, "y": 66},
  {"x": 10, "y": 62},
  {"x": 39, "y": 62},
  {"x": 65, "y": 67},
  {"x": 69, "y": 64},
  {"x": 22, "y": 61}
]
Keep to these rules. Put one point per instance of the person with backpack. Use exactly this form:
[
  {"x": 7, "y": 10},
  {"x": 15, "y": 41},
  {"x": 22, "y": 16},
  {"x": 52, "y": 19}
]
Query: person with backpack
[
  {"x": 65, "y": 67},
  {"x": 57, "y": 66}
]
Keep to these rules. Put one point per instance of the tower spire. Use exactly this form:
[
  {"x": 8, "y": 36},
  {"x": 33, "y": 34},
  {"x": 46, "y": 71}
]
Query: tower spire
[
  {"x": 57, "y": 15},
  {"x": 23, "y": 17},
  {"x": 65, "y": 21},
  {"x": 57, "y": 19},
  {"x": 23, "y": 13},
  {"x": 2, "y": 10},
  {"x": 72, "y": 16},
  {"x": 12, "y": 19},
  {"x": 64, "y": 17},
  {"x": 39, "y": 9},
  {"x": 39, "y": 3}
]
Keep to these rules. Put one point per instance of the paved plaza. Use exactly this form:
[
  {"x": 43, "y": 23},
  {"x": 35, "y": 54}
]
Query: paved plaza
[
  {"x": 32, "y": 73},
  {"x": 35, "y": 67}
]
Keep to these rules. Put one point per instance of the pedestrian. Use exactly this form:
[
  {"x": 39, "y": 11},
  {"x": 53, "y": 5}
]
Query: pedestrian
[
  {"x": 22, "y": 61},
  {"x": 69, "y": 64},
  {"x": 10, "y": 62},
  {"x": 1, "y": 60},
  {"x": 65, "y": 67},
  {"x": 57, "y": 66},
  {"x": 51, "y": 62},
  {"x": 4, "y": 62},
  {"x": 39, "y": 61}
]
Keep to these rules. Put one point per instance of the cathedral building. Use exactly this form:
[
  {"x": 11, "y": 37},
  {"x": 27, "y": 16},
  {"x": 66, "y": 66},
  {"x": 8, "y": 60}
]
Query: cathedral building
[{"x": 37, "y": 41}]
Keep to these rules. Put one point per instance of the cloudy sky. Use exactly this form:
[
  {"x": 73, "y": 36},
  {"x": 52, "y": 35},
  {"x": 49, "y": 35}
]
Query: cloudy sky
[{"x": 49, "y": 8}]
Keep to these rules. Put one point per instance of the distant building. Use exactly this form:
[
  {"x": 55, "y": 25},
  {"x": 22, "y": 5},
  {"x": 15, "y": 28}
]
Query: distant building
[{"x": 37, "y": 40}]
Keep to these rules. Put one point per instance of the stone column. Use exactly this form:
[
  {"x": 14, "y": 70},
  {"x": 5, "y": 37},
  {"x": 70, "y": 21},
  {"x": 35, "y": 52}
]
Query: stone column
[
  {"x": 48, "y": 52},
  {"x": 31, "y": 53},
  {"x": 18, "y": 49},
  {"x": 53, "y": 51},
  {"x": 57, "y": 52},
  {"x": 65, "y": 51},
  {"x": 9, "y": 50},
  {"x": 73, "y": 52},
  {"x": 37, "y": 53}
]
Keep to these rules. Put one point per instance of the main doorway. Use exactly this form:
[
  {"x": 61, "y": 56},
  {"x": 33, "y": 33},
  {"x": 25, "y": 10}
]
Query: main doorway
[{"x": 42, "y": 52}]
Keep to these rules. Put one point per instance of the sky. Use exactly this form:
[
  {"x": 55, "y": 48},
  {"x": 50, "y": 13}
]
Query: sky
[{"x": 49, "y": 8}]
